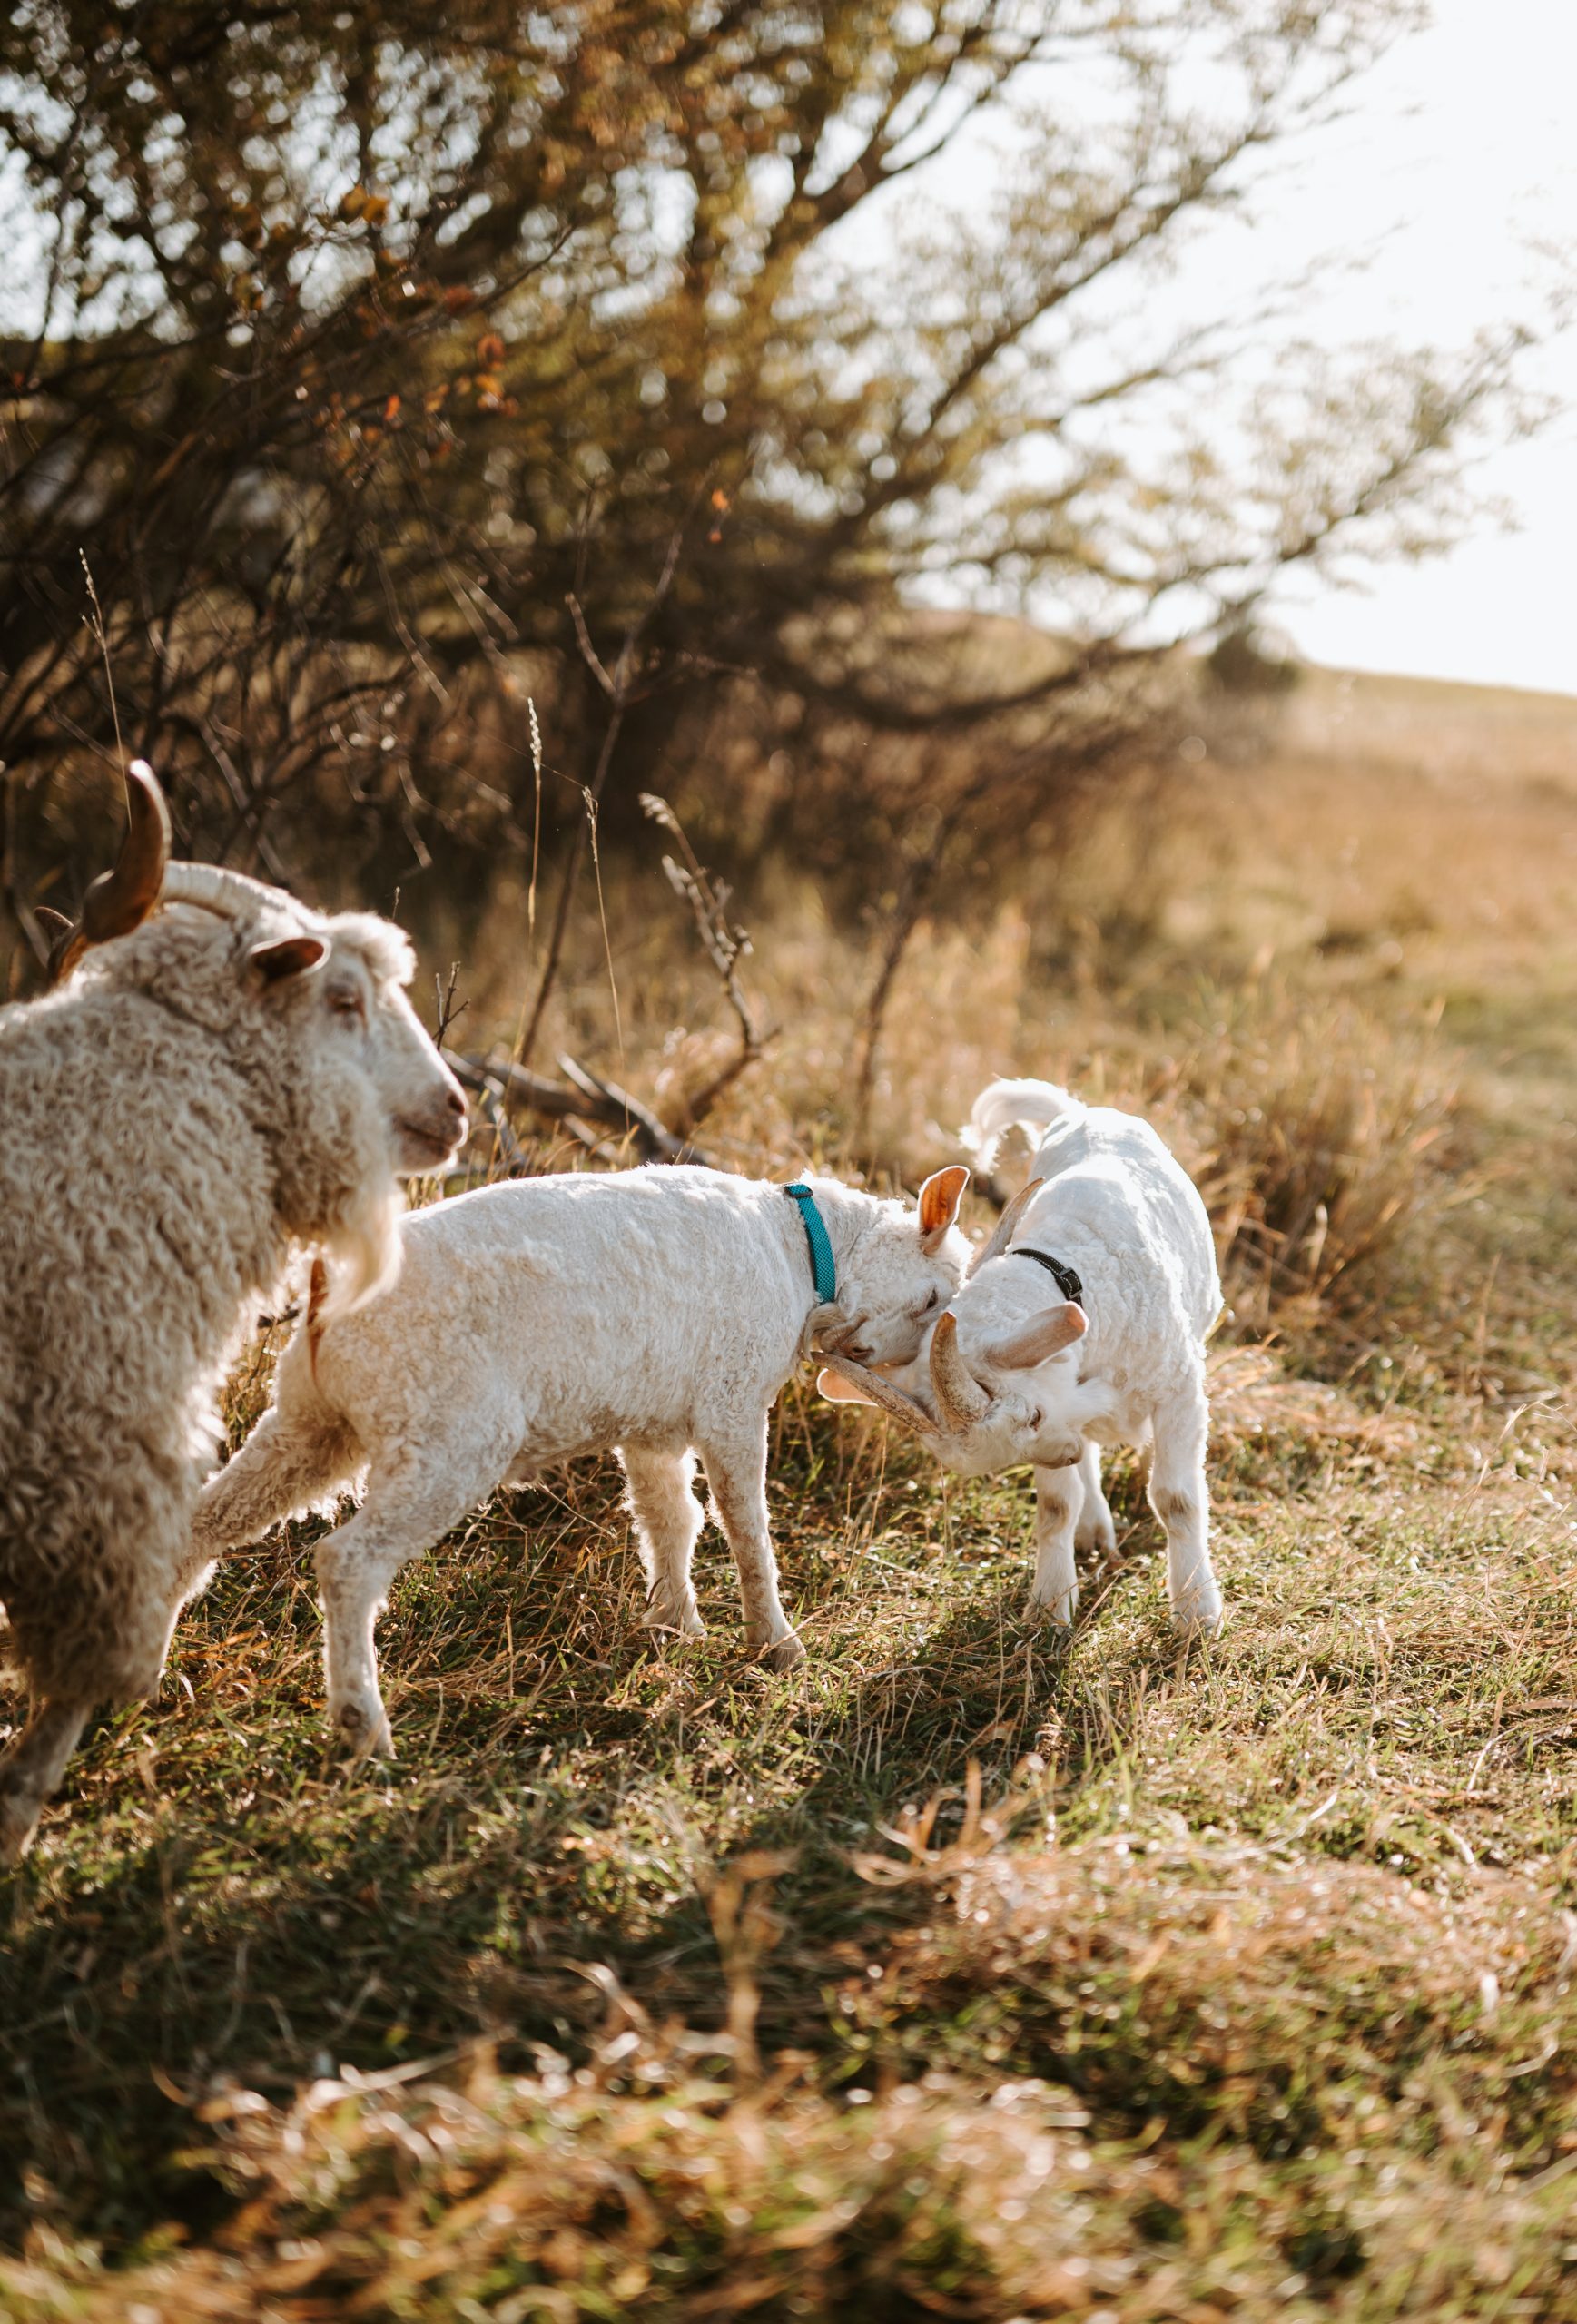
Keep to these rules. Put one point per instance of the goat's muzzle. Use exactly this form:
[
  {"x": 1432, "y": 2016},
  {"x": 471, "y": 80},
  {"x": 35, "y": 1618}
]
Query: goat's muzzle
[{"x": 430, "y": 1137}]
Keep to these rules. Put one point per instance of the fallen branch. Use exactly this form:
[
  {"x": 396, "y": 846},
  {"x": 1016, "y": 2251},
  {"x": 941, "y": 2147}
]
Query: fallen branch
[
  {"x": 579, "y": 1101},
  {"x": 515, "y": 1160},
  {"x": 611, "y": 1104}
]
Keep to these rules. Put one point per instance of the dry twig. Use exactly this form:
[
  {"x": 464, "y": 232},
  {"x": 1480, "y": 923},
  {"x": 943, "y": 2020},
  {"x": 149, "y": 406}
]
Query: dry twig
[
  {"x": 619, "y": 689},
  {"x": 725, "y": 943}
]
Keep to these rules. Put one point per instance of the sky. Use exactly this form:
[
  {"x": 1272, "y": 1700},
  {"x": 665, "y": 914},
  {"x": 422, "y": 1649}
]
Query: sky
[
  {"x": 1454, "y": 173},
  {"x": 1460, "y": 154}
]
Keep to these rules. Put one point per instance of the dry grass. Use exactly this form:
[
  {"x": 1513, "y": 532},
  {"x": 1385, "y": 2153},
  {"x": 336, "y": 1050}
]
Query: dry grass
[
  {"x": 962, "y": 1974},
  {"x": 647, "y": 2178}
]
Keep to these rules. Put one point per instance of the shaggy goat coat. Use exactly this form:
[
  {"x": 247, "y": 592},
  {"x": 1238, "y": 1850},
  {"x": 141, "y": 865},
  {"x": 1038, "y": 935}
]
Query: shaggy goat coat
[
  {"x": 201, "y": 1094},
  {"x": 655, "y": 1311}
]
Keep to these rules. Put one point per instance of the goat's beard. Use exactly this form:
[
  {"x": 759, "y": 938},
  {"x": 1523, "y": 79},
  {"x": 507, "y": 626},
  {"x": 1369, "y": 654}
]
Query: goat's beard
[{"x": 364, "y": 1250}]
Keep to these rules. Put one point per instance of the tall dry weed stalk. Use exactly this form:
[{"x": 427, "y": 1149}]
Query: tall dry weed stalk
[{"x": 1322, "y": 1137}]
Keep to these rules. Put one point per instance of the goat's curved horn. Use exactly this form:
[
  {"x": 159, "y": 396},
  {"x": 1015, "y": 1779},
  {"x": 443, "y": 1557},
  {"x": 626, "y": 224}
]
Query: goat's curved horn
[
  {"x": 1001, "y": 1234},
  {"x": 960, "y": 1396},
  {"x": 234, "y": 895},
  {"x": 119, "y": 900},
  {"x": 64, "y": 953},
  {"x": 63, "y": 940},
  {"x": 878, "y": 1391}
]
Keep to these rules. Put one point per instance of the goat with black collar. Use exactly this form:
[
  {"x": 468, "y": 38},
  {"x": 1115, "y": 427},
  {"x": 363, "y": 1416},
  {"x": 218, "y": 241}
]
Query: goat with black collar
[{"x": 1082, "y": 1323}]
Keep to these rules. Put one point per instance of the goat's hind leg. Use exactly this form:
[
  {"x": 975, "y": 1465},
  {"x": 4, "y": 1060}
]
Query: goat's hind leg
[
  {"x": 31, "y": 1771},
  {"x": 106, "y": 1641},
  {"x": 1180, "y": 1499},
  {"x": 669, "y": 1522},
  {"x": 1095, "y": 1529},
  {"x": 411, "y": 1503}
]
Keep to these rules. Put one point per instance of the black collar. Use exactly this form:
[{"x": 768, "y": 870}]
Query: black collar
[{"x": 1067, "y": 1281}]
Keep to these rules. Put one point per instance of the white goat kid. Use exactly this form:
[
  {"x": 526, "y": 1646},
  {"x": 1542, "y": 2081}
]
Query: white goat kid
[
  {"x": 1082, "y": 1323},
  {"x": 655, "y": 1312}
]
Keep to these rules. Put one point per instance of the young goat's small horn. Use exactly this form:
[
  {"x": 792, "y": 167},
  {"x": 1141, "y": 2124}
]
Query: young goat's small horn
[
  {"x": 873, "y": 1389},
  {"x": 1002, "y": 1233},
  {"x": 960, "y": 1396}
]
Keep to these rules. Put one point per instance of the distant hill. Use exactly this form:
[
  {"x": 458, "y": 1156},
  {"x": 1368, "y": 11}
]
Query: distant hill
[
  {"x": 1430, "y": 726},
  {"x": 1426, "y": 726}
]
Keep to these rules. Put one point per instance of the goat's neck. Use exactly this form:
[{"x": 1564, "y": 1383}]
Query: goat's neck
[{"x": 846, "y": 1213}]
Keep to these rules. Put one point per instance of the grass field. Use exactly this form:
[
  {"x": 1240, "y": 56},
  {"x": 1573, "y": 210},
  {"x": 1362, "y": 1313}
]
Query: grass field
[{"x": 959, "y": 1974}]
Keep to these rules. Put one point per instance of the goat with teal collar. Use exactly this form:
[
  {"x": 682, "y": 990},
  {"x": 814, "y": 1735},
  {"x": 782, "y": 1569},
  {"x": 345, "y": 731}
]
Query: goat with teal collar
[{"x": 655, "y": 1313}]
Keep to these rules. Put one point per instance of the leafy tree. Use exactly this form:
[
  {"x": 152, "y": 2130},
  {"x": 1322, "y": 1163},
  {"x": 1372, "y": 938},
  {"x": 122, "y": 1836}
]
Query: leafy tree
[{"x": 382, "y": 360}]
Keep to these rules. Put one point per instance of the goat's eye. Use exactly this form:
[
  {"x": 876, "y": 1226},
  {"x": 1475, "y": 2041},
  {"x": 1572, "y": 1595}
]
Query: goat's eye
[
  {"x": 347, "y": 1005},
  {"x": 931, "y": 1301}
]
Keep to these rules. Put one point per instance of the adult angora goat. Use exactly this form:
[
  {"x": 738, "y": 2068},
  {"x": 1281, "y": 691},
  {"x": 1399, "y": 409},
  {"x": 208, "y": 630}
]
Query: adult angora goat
[{"x": 227, "y": 1078}]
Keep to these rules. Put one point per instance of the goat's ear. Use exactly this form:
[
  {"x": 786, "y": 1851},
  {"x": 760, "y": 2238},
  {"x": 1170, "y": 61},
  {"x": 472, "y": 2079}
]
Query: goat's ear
[
  {"x": 292, "y": 955},
  {"x": 1047, "y": 1336},
  {"x": 939, "y": 1200},
  {"x": 839, "y": 1391}
]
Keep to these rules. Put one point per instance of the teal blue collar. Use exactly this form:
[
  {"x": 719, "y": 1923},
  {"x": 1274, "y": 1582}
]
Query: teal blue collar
[{"x": 824, "y": 1266}]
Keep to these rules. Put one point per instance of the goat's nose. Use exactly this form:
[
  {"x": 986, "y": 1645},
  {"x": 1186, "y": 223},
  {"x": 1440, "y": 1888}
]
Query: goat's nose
[{"x": 456, "y": 1104}]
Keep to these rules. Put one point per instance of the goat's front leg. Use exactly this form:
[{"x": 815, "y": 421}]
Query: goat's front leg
[
  {"x": 1058, "y": 1498},
  {"x": 668, "y": 1522},
  {"x": 735, "y": 1465},
  {"x": 31, "y": 1771},
  {"x": 1180, "y": 1499}
]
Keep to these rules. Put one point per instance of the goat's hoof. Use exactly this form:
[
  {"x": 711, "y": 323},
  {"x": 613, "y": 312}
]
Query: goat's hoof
[
  {"x": 787, "y": 1654},
  {"x": 364, "y": 1730},
  {"x": 687, "y": 1624},
  {"x": 1097, "y": 1533},
  {"x": 1198, "y": 1615},
  {"x": 22, "y": 1807},
  {"x": 1053, "y": 1613}
]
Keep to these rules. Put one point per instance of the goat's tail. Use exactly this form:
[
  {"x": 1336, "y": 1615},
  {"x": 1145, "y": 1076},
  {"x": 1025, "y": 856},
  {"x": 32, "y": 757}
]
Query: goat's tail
[
  {"x": 1029, "y": 1106},
  {"x": 300, "y": 1456}
]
